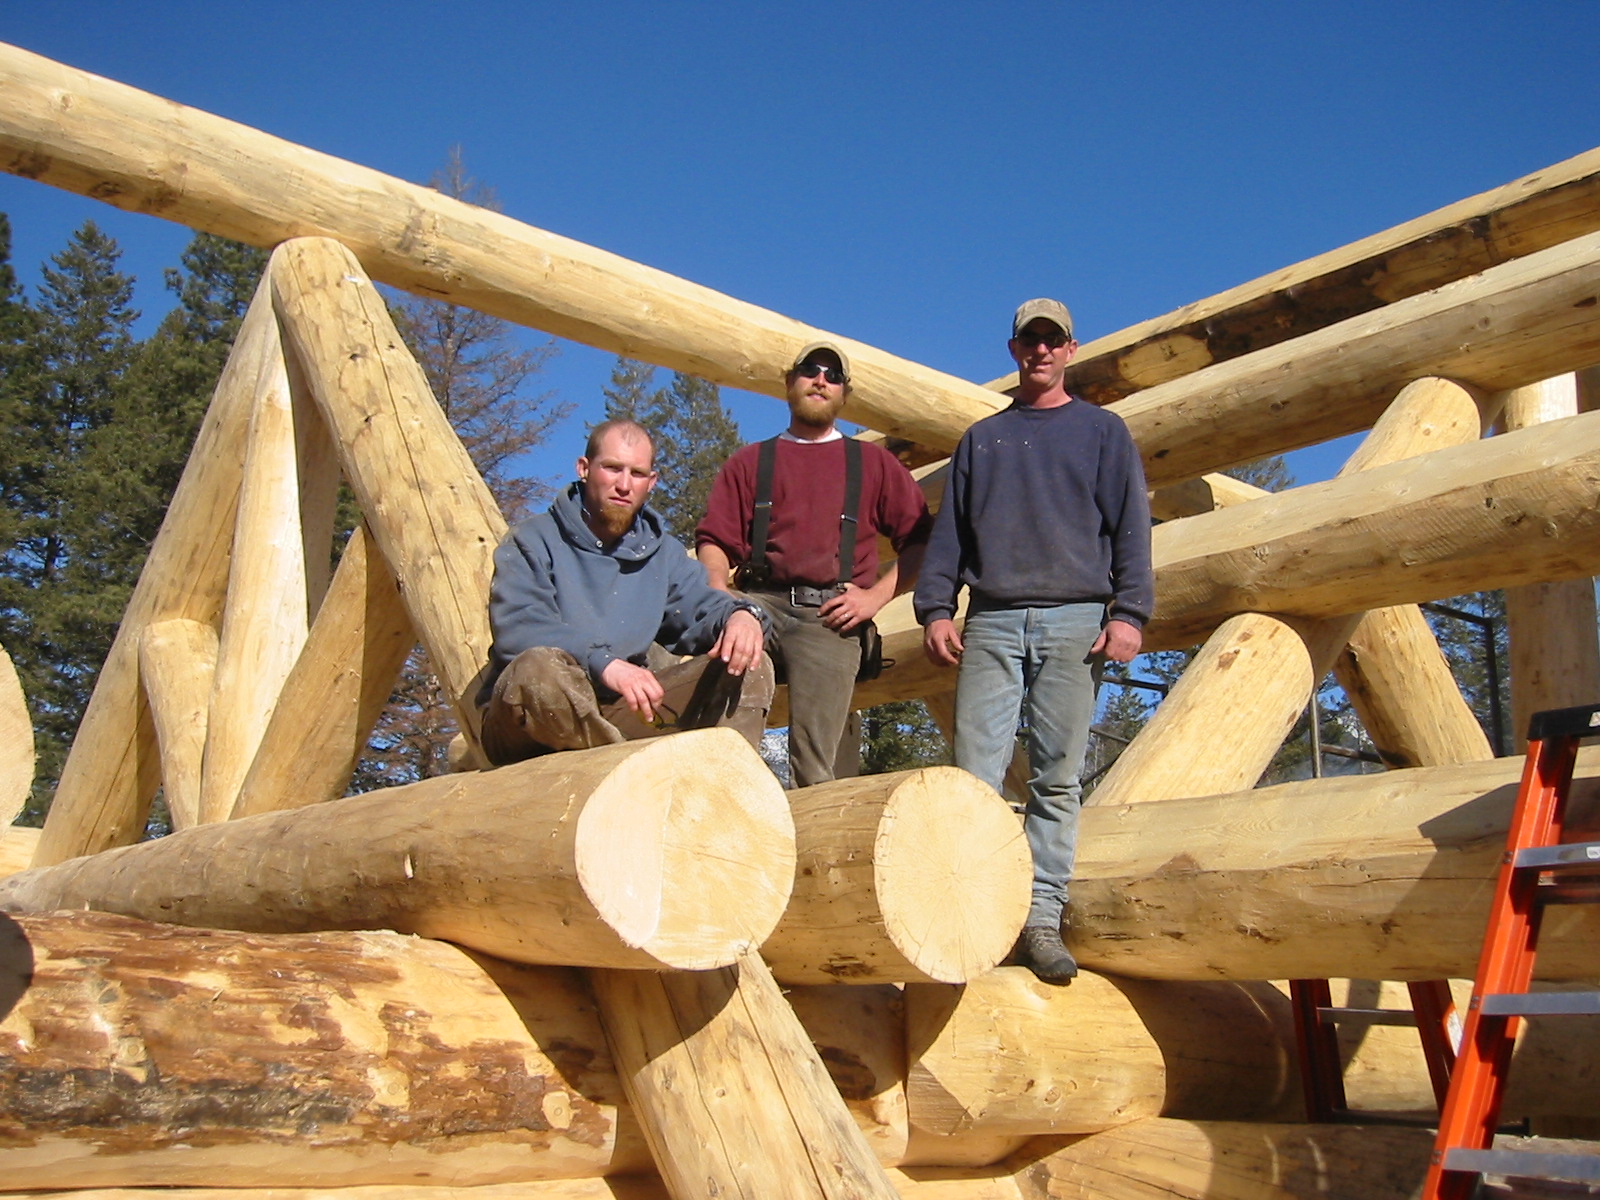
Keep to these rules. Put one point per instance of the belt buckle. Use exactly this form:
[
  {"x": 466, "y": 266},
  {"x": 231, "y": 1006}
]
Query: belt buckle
[{"x": 794, "y": 596}]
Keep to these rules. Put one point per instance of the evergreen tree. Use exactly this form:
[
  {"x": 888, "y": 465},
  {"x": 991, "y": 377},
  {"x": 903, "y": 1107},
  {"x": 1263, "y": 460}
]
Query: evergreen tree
[
  {"x": 57, "y": 610},
  {"x": 629, "y": 395},
  {"x": 900, "y": 736}
]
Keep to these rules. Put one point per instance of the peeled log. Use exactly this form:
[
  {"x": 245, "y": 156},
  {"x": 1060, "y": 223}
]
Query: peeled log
[
  {"x": 920, "y": 875},
  {"x": 17, "y": 846},
  {"x": 1008, "y": 1054},
  {"x": 1510, "y": 325},
  {"x": 1217, "y": 1160},
  {"x": 1374, "y": 877},
  {"x": 177, "y": 665},
  {"x": 89, "y": 135},
  {"x": 1455, "y": 520},
  {"x": 114, "y": 768},
  {"x": 675, "y": 852},
  {"x": 425, "y": 504},
  {"x": 729, "y": 1091},
  {"x": 338, "y": 688},
  {"x": 16, "y": 742},
  {"x": 204, "y": 1058}
]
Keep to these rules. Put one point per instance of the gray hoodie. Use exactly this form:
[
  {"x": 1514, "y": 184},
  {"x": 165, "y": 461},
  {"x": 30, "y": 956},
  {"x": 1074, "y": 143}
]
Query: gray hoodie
[{"x": 556, "y": 584}]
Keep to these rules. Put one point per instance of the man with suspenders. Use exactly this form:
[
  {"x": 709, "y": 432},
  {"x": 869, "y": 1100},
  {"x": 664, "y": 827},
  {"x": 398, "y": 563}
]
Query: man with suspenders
[{"x": 799, "y": 516}]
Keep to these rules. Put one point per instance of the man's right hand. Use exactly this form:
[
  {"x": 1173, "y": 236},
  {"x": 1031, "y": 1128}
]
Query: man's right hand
[
  {"x": 641, "y": 689},
  {"x": 941, "y": 642}
]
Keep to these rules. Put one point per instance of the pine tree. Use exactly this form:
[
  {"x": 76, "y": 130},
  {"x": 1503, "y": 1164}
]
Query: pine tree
[
  {"x": 900, "y": 736},
  {"x": 630, "y": 393},
  {"x": 58, "y": 601}
]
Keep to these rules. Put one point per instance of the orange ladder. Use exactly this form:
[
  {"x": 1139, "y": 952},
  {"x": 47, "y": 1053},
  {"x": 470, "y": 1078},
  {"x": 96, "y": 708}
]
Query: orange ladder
[
  {"x": 1538, "y": 869},
  {"x": 1432, "y": 1011}
]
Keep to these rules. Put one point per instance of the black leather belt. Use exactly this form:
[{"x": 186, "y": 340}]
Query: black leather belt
[{"x": 811, "y": 597}]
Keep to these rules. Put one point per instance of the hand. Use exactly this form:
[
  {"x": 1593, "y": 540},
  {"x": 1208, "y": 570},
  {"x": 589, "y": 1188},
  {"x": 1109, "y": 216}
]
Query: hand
[
  {"x": 1118, "y": 641},
  {"x": 941, "y": 642},
  {"x": 641, "y": 689},
  {"x": 739, "y": 644},
  {"x": 855, "y": 607}
]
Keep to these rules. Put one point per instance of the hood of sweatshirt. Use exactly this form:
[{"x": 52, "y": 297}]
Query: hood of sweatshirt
[{"x": 641, "y": 541}]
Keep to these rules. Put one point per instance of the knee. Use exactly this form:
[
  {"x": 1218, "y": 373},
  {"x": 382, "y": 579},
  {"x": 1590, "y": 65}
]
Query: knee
[{"x": 534, "y": 671}]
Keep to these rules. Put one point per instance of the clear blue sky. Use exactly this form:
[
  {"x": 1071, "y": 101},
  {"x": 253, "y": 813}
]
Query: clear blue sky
[{"x": 900, "y": 173}]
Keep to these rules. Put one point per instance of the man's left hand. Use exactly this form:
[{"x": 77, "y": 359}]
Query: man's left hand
[
  {"x": 855, "y": 607},
  {"x": 1119, "y": 641},
  {"x": 739, "y": 644}
]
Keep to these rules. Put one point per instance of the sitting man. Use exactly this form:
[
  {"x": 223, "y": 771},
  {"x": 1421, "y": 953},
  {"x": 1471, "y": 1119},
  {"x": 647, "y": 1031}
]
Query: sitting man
[{"x": 580, "y": 593}]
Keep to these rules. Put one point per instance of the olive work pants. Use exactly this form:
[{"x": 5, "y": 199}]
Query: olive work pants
[{"x": 544, "y": 702}]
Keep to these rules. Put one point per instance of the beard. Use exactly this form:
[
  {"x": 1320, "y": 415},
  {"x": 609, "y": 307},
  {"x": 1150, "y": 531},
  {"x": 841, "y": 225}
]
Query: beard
[{"x": 615, "y": 520}]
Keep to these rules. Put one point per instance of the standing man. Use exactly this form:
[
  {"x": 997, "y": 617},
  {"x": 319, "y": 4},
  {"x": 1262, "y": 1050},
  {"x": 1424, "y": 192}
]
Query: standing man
[
  {"x": 1045, "y": 520},
  {"x": 809, "y": 557},
  {"x": 579, "y": 594}
]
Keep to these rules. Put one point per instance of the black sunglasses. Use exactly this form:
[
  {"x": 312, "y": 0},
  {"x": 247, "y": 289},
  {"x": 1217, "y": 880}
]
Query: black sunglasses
[
  {"x": 1053, "y": 338},
  {"x": 811, "y": 370}
]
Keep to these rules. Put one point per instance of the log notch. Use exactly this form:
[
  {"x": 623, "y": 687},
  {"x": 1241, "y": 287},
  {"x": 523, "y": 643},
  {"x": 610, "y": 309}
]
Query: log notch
[
  {"x": 265, "y": 617},
  {"x": 426, "y": 505},
  {"x": 919, "y": 875},
  {"x": 732, "y": 1097},
  {"x": 859, "y": 1033},
  {"x": 336, "y": 692},
  {"x": 1373, "y": 876},
  {"x": 89, "y": 135},
  {"x": 113, "y": 769},
  {"x": 1511, "y": 325},
  {"x": 1221, "y": 1160},
  {"x": 178, "y": 664},
  {"x": 1008, "y": 1054},
  {"x": 16, "y": 742},
  {"x": 1555, "y": 655},
  {"x": 142, "y": 1054},
  {"x": 669, "y": 852},
  {"x": 1243, "y": 692}
]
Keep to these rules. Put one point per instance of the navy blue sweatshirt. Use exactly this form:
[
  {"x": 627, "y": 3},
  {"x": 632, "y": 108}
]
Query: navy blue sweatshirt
[{"x": 1043, "y": 506}]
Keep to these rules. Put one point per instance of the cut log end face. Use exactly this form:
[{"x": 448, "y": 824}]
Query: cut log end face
[
  {"x": 687, "y": 849},
  {"x": 953, "y": 874}
]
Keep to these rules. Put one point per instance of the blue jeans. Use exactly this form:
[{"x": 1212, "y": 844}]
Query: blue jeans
[{"x": 1033, "y": 663}]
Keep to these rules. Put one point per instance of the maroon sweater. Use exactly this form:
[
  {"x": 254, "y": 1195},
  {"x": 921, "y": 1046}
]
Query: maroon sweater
[{"x": 807, "y": 501}]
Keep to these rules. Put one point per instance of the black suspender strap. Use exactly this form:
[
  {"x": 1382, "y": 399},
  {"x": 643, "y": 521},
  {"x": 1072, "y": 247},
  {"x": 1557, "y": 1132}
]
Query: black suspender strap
[
  {"x": 761, "y": 517},
  {"x": 852, "y": 504}
]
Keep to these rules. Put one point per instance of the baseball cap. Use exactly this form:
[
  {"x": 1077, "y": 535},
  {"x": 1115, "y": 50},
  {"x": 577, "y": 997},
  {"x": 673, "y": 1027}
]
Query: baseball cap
[
  {"x": 1051, "y": 310},
  {"x": 805, "y": 355}
]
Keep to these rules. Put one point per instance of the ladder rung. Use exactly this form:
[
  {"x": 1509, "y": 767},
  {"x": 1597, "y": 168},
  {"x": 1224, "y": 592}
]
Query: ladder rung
[
  {"x": 1529, "y": 1164},
  {"x": 1562, "y": 854},
  {"x": 1541, "y": 1004},
  {"x": 1368, "y": 1016}
]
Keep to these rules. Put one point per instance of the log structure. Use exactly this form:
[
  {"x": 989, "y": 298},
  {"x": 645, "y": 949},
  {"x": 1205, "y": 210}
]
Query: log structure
[
  {"x": 668, "y": 852},
  {"x": 245, "y": 679}
]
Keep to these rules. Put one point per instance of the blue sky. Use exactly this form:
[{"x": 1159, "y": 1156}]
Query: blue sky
[{"x": 900, "y": 173}]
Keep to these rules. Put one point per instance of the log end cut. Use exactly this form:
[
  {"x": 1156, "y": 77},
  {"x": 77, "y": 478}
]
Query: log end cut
[
  {"x": 687, "y": 849},
  {"x": 953, "y": 874}
]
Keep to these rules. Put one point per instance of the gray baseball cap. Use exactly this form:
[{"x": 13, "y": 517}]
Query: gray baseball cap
[{"x": 1051, "y": 310}]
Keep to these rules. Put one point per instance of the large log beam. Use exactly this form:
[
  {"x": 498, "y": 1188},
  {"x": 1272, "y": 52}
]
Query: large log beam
[
  {"x": 1382, "y": 876},
  {"x": 1227, "y": 1160},
  {"x": 89, "y": 135},
  {"x": 880, "y": 859},
  {"x": 427, "y": 507},
  {"x": 17, "y": 846},
  {"x": 671, "y": 852},
  {"x": 178, "y": 665},
  {"x": 1508, "y": 510},
  {"x": 204, "y": 1058},
  {"x": 1513, "y": 324},
  {"x": 731, "y": 1095},
  {"x": 1533, "y": 213},
  {"x": 1008, "y": 1054}
]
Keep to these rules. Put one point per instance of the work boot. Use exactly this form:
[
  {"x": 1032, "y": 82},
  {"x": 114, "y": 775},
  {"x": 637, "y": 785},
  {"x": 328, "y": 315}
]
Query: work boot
[{"x": 1041, "y": 950}]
